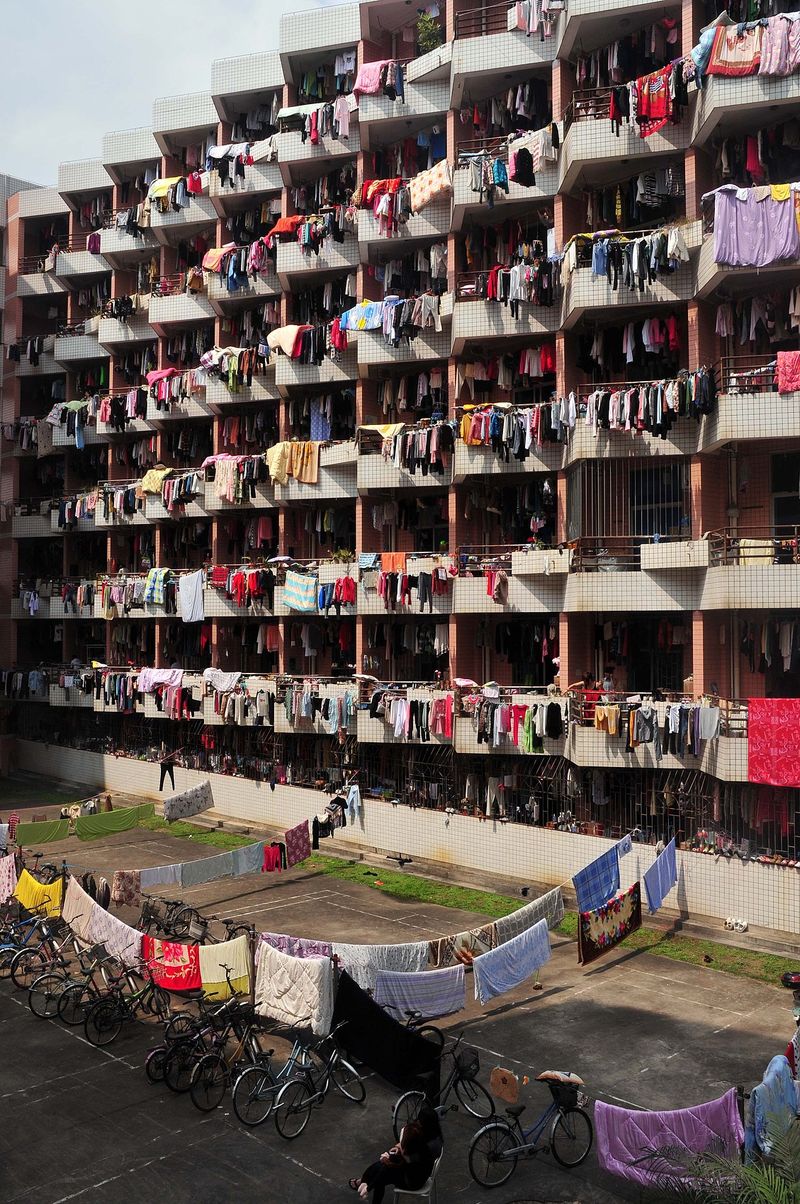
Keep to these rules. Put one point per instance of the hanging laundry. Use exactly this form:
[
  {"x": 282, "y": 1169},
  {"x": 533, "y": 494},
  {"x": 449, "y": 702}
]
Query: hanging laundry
[{"x": 604, "y": 927}]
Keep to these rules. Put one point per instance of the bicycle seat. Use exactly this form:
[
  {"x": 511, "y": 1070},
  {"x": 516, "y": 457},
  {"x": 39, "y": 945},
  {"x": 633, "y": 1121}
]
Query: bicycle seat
[
  {"x": 560, "y": 1076},
  {"x": 516, "y": 1110},
  {"x": 196, "y": 993}
]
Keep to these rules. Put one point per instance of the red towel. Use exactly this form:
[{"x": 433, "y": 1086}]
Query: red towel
[
  {"x": 175, "y": 967},
  {"x": 772, "y": 730}
]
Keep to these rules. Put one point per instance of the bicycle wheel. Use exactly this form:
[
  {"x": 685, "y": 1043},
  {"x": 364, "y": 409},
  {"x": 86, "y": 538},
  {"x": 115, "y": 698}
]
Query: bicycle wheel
[
  {"x": 431, "y": 1033},
  {"x": 44, "y": 993},
  {"x": 103, "y": 1022},
  {"x": 179, "y": 1065},
  {"x": 209, "y": 1082},
  {"x": 27, "y": 965},
  {"x": 158, "y": 1002},
  {"x": 155, "y": 1062},
  {"x": 74, "y": 1003},
  {"x": 348, "y": 1081},
  {"x": 253, "y": 1095},
  {"x": 183, "y": 919},
  {"x": 474, "y": 1098},
  {"x": 293, "y": 1109},
  {"x": 180, "y": 1025},
  {"x": 406, "y": 1109},
  {"x": 7, "y": 955},
  {"x": 490, "y": 1162},
  {"x": 571, "y": 1136}
]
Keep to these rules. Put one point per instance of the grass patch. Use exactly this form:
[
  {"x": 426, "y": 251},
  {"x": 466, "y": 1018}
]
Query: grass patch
[
  {"x": 743, "y": 963},
  {"x": 209, "y": 836}
]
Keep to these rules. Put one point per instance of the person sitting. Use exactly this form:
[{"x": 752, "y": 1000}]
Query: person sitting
[{"x": 407, "y": 1165}]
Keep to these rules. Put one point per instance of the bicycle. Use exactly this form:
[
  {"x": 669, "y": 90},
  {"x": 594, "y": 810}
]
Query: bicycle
[
  {"x": 198, "y": 928},
  {"x": 416, "y": 1022},
  {"x": 212, "y": 1072},
  {"x": 79, "y": 994},
  {"x": 187, "y": 1039},
  {"x": 32, "y": 962},
  {"x": 163, "y": 916},
  {"x": 15, "y": 937},
  {"x": 461, "y": 1079},
  {"x": 105, "y": 1018},
  {"x": 256, "y": 1087},
  {"x": 297, "y": 1097},
  {"x": 567, "y": 1128}
]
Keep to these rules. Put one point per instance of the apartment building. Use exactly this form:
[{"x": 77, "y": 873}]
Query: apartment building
[{"x": 570, "y": 471}]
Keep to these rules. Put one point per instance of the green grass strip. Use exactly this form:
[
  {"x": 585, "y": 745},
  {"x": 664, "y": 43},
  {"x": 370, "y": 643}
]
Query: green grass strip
[{"x": 214, "y": 837}]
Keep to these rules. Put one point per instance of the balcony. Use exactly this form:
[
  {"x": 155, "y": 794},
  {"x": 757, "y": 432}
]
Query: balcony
[
  {"x": 371, "y": 603},
  {"x": 217, "y": 605},
  {"x": 749, "y": 406},
  {"x": 75, "y": 261},
  {"x": 117, "y": 519},
  {"x": 179, "y": 410},
  {"x": 178, "y": 224},
  {"x": 432, "y": 223},
  {"x": 57, "y": 610},
  {"x": 129, "y": 149},
  {"x": 32, "y": 282},
  {"x": 262, "y": 499},
  {"x": 173, "y": 308},
  {"x": 47, "y": 365},
  {"x": 315, "y": 33},
  {"x": 467, "y": 205},
  {"x": 584, "y": 291},
  {"x": 336, "y": 479},
  {"x": 466, "y": 738},
  {"x": 183, "y": 120},
  {"x": 219, "y": 397},
  {"x": 541, "y": 562},
  {"x": 156, "y": 512},
  {"x": 122, "y": 250},
  {"x": 291, "y": 374},
  {"x": 20, "y": 612},
  {"x": 71, "y": 696},
  {"x": 752, "y": 568},
  {"x": 43, "y": 202},
  {"x": 375, "y": 474},
  {"x": 377, "y": 731},
  {"x": 75, "y": 348},
  {"x": 82, "y": 177},
  {"x": 260, "y": 180},
  {"x": 605, "y": 576},
  {"x": 82, "y": 524},
  {"x": 317, "y": 724},
  {"x": 592, "y": 152},
  {"x": 526, "y": 595},
  {"x": 302, "y": 160},
  {"x": 32, "y": 525},
  {"x": 487, "y": 46},
  {"x": 490, "y": 322},
  {"x": 333, "y": 256},
  {"x": 383, "y": 121},
  {"x": 237, "y": 82},
  {"x": 584, "y": 444},
  {"x": 222, "y": 300},
  {"x": 113, "y": 333},
  {"x": 375, "y": 354},
  {"x": 584, "y": 24},
  {"x": 743, "y": 104},
  {"x": 478, "y": 460},
  {"x": 62, "y": 439}
]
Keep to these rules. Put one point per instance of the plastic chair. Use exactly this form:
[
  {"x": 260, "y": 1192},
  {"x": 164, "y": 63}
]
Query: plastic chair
[{"x": 426, "y": 1192}]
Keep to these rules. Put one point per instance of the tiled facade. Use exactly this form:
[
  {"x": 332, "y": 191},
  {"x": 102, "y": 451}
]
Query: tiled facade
[{"x": 621, "y": 551}]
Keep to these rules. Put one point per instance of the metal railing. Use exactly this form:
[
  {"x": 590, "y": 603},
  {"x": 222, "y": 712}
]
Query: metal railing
[
  {"x": 587, "y": 104},
  {"x": 607, "y": 553},
  {"x": 482, "y": 19},
  {"x": 497, "y": 147},
  {"x": 732, "y": 711},
  {"x": 747, "y": 374},
  {"x": 755, "y": 547}
]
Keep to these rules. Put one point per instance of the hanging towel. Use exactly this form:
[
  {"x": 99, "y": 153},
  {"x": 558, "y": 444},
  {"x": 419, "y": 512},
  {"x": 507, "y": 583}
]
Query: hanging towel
[
  {"x": 190, "y": 592},
  {"x": 362, "y": 962},
  {"x": 772, "y": 1109},
  {"x": 161, "y": 875},
  {"x": 247, "y": 860},
  {"x": 625, "y": 1137},
  {"x": 90, "y": 827},
  {"x": 8, "y": 878},
  {"x": 122, "y": 942},
  {"x": 176, "y": 967},
  {"x": 603, "y": 928},
  {"x": 432, "y": 993},
  {"x": 236, "y": 955},
  {"x": 549, "y": 907},
  {"x": 660, "y": 878},
  {"x": 126, "y": 888},
  {"x": 624, "y": 846},
  {"x": 36, "y": 897},
  {"x": 296, "y": 946},
  {"x": 504, "y": 968},
  {"x": 462, "y": 948},
  {"x": 77, "y": 908},
  {"x": 595, "y": 884},
  {"x": 190, "y": 802},
  {"x": 298, "y": 844},
  {"x": 206, "y": 869},
  {"x": 295, "y": 990},
  {"x": 300, "y": 592},
  {"x": 772, "y": 727}
]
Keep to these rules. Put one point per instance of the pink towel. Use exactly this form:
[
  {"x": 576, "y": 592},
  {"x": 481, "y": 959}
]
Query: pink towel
[{"x": 368, "y": 80}]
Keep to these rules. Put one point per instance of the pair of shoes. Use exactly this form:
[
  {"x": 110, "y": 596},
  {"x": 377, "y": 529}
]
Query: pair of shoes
[{"x": 735, "y": 925}]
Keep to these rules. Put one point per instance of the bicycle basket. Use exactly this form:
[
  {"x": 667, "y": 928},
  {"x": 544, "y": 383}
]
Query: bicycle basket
[
  {"x": 197, "y": 930},
  {"x": 468, "y": 1064},
  {"x": 564, "y": 1094}
]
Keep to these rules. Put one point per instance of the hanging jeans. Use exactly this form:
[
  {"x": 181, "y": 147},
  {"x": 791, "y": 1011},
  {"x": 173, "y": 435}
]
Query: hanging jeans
[{"x": 167, "y": 768}]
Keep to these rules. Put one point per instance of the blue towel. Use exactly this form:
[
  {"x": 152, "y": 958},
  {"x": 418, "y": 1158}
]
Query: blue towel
[
  {"x": 596, "y": 884},
  {"x": 433, "y": 992},
  {"x": 508, "y": 965},
  {"x": 206, "y": 869},
  {"x": 661, "y": 877},
  {"x": 247, "y": 860}
]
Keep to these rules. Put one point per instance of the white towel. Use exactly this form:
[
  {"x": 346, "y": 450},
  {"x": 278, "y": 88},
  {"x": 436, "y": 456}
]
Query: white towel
[
  {"x": 295, "y": 990},
  {"x": 190, "y": 589}
]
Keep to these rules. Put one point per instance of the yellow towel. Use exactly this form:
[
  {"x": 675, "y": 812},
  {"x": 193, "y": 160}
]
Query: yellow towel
[{"x": 36, "y": 897}]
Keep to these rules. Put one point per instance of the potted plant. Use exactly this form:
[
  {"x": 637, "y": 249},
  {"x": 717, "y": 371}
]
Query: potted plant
[{"x": 429, "y": 33}]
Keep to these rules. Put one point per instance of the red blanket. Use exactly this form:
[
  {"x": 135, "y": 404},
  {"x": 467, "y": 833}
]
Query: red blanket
[
  {"x": 788, "y": 371},
  {"x": 773, "y": 732},
  {"x": 175, "y": 967}
]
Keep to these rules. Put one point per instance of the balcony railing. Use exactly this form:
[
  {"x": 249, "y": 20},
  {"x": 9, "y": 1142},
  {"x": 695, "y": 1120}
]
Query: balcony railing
[
  {"x": 481, "y": 20},
  {"x": 732, "y": 711},
  {"x": 587, "y": 104},
  {"x": 747, "y": 374},
  {"x": 755, "y": 547}
]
